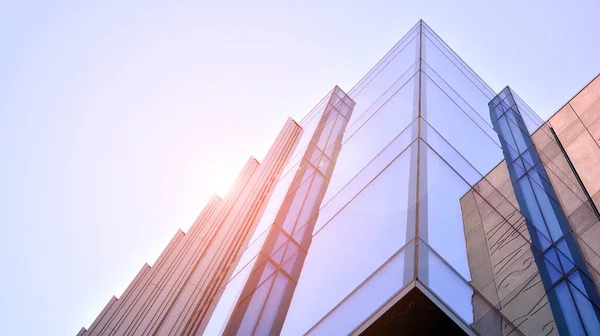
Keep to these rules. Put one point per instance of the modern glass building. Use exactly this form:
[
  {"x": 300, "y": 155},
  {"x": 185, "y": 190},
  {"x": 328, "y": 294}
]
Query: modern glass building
[{"x": 418, "y": 202}]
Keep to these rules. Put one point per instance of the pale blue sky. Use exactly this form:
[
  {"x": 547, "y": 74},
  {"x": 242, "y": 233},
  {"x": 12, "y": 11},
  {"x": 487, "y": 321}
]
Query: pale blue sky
[{"x": 119, "y": 119}]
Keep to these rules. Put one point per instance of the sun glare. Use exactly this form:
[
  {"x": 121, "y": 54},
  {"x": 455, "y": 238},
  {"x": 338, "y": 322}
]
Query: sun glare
[{"x": 222, "y": 182}]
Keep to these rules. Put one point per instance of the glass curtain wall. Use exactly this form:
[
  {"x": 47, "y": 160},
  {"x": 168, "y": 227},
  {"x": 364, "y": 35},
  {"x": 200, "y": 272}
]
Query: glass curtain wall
[{"x": 419, "y": 196}]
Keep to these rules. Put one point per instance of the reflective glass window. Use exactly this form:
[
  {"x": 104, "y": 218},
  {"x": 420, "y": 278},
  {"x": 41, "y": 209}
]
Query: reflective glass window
[{"x": 353, "y": 245}]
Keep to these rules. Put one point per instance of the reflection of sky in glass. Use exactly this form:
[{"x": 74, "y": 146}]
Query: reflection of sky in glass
[
  {"x": 353, "y": 244},
  {"x": 138, "y": 115},
  {"x": 369, "y": 208}
]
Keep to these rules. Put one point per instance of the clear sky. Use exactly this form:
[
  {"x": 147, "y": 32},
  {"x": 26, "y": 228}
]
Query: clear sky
[{"x": 119, "y": 119}]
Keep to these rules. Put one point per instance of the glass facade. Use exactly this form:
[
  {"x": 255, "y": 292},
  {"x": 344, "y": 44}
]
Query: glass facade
[
  {"x": 561, "y": 259},
  {"x": 420, "y": 179}
]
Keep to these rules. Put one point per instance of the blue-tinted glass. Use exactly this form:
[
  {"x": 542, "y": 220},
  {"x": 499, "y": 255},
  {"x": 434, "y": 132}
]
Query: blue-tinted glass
[
  {"x": 497, "y": 111},
  {"x": 568, "y": 309},
  {"x": 494, "y": 103},
  {"x": 541, "y": 242},
  {"x": 504, "y": 94},
  {"x": 530, "y": 157},
  {"x": 517, "y": 126},
  {"x": 548, "y": 210},
  {"x": 507, "y": 138},
  {"x": 520, "y": 140},
  {"x": 588, "y": 312},
  {"x": 566, "y": 259},
  {"x": 551, "y": 263},
  {"x": 530, "y": 208},
  {"x": 539, "y": 178},
  {"x": 586, "y": 286},
  {"x": 509, "y": 98},
  {"x": 518, "y": 168}
]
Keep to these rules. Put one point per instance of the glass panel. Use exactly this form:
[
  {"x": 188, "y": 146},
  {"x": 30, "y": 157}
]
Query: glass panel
[
  {"x": 343, "y": 185},
  {"x": 456, "y": 78},
  {"x": 548, "y": 210},
  {"x": 367, "y": 109},
  {"x": 313, "y": 200},
  {"x": 458, "y": 62},
  {"x": 308, "y": 132},
  {"x": 250, "y": 253},
  {"x": 449, "y": 154},
  {"x": 326, "y": 166},
  {"x": 278, "y": 255},
  {"x": 371, "y": 89},
  {"x": 452, "y": 123},
  {"x": 373, "y": 137},
  {"x": 582, "y": 283},
  {"x": 263, "y": 273},
  {"x": 445, "y": 283},
  {"x": 371, "y": 295},
  {"x": 333, "y": 144},
  {"x": 252, "y": 307},
  {"x": 551, "y": 258},
  {"x": 323, "y": 136},
  {"x": 293, "y": 265},
  {"x": 440, "y": 214},
  {"x": 286, "y": 185},
  {"x": 506, "y": 139},
  {"x": 564, "y": 254},
  {"x": 271, "y": 315},
  {"x": 588, "y": 312},
  {"x": 513, "y": 132},
  {"x": 291, "y": 211},
  {"x": 532, "y": 210},
  {"x": 353, "y": 245},
  {"x": 569, "y": 311},
  {"x": 227, "y": 302},
  {"x": 531, "y": 119},
  {"x": 314, "y": 156}
]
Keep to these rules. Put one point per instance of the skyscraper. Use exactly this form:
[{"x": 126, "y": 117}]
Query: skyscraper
[{"x": 420, "y": 201}]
